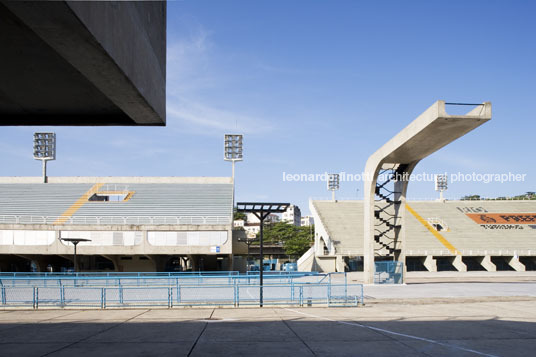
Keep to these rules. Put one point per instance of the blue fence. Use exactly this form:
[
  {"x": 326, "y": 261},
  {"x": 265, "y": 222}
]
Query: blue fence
[
  {"x": 389, "y": 272},
  {"x": 298, "y": 294},
  {"x": 162, "y": 280},
  {"x": 122, "y": 274},
  {"x": 175, "y": 289}
]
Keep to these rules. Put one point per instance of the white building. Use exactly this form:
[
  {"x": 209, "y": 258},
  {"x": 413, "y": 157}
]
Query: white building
[
  {"x": 239, "y": 223},
  {"x": 292, "y": 215},
  {"x": 271, "y": 218},
  {"x": 253, "y": 224},
  {"x": 307, "y": 221}
]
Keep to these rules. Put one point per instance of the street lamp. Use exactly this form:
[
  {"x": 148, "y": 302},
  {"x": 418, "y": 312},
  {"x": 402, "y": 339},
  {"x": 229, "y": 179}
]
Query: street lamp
[
  {"x": 333, "y": 184},
  {"x": 261, "y": 210},
  {"x": 44, "y": 145},
  {"x": 441, "y": 183},
  {"x": 233, "y": 149},
  {"x": 75, "y": 242}
]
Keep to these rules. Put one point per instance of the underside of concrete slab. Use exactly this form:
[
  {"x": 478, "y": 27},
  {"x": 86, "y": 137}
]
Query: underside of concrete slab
[{"x": 83, "y": 62}]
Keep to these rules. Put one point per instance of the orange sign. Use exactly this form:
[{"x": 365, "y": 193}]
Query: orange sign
[{"x": 503, "y": 218}]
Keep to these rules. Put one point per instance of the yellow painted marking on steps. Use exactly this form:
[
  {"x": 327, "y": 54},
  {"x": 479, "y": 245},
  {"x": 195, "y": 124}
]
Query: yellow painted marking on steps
[
  {"x": 432, "y": 230},
  {"x": 79, "y": 203}
]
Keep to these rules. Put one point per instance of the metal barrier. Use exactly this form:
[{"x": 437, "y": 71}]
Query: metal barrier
[
  {"x": 182, "y": 295},
  {"x": 155, "y": 279},
  {"x": 104, "y": 220},
  {"x": 119, "y": 274},
  {"x": 389, "y": 272}
]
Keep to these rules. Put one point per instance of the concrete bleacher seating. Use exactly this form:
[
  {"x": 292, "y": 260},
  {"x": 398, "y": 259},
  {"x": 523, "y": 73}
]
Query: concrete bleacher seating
[
  {"x": 151, "y": 199},
  {"x": 466, "y": 235},
  {"x": 462, "y": 239},
  {"x": 343, "y": 221}
]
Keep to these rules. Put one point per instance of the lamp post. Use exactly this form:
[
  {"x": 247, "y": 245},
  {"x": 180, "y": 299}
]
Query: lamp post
[
  {"x": 261, "y": 210},
  {"x": 75, "y": 242},
  {"x": 44, "y": 145},
  {"x": 333, "y": 184}
]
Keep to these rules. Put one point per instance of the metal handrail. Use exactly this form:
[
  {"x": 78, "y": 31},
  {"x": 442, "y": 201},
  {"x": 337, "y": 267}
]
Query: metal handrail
[
  {"x": 103, "y": 220},
  {"x": 182, "y": 295}
]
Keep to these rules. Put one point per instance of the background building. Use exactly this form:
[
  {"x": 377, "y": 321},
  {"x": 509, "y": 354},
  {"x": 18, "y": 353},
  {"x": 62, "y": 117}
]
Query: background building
[
  {"x": 307, "y": 221},
  {"x": 292, "y": 215},
  {"x": 252, "y": 224}
]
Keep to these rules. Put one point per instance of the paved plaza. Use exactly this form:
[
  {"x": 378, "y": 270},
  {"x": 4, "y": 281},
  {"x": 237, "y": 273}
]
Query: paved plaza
[{"x": 499, "y": 326}]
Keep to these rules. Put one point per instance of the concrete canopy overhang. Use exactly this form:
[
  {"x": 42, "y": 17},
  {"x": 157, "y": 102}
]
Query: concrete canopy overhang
[
  {"x": 429, "y": 132},
  {"x": 83, "y": 62}
]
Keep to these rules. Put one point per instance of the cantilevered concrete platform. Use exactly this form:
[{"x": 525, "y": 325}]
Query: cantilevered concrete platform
[
  {"x": 431, "y": 131},
  {"x": 83, "y": 62}
]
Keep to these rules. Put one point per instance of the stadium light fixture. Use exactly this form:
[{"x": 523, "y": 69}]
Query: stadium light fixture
[
  {"x": 233, "y": 149},
  {"x": 441, "y": 184},
  {"x": 44, "y": 149},
  {"x": 333, "y": 184}
]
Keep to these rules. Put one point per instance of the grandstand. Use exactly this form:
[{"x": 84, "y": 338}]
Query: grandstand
[
  {"x": 439, "y": 235},
  {"x": 134, "y": 224}
]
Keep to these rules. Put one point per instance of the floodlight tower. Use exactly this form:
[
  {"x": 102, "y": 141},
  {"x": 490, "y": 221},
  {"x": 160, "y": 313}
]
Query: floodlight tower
[
  {"x": 441, "y": 184},
  {"x": 333, "y": 184},
  {"x": 44, "y": 145},
  {"x": 233, "y": 149}
]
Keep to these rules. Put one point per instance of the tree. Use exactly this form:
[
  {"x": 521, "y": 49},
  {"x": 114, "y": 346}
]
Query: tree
[
  {"x": 239, "y": 215},
  {"x": 471, "y": 197},
  {"x": 295, "y": 240}
]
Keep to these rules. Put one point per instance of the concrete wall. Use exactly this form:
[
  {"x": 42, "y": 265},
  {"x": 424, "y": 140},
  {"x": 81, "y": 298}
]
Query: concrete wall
[{"x": 143, "y": 248}]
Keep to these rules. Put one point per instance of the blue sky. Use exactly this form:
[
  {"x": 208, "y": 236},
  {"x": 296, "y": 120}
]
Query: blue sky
[{"x": 318, "y": 86}]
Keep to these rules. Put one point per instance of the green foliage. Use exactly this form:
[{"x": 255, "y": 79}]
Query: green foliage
[
  {"x": 239, "y": 215},
  {"x": 471, "y": 197},
  {"x": 526, "y": 196},
  {"x": 295, "y": 240}
]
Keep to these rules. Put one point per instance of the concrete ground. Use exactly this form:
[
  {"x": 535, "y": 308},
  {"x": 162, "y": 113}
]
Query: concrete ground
[
  {"x": 448, "y": 291},
  {"x": 419, "y": 277},
  {"x": 490, "y": 328}
]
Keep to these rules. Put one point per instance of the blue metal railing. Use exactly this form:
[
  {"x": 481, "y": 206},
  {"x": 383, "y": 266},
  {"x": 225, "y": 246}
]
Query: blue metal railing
[
  {"x": 306, "y": 294},
  {"x": 155, "y": 280},
  {"x": 119, "y": 274}
]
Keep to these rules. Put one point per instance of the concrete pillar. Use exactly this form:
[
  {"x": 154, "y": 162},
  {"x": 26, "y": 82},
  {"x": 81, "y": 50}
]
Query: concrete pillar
[
  {"x": 114, "y": 259},
  {"x": 458, "y": 263},
  {"x": 158, "y": 261},
  {"x": 487, "y": 263},
  {"x": 339, "y": 264},
  {"x": 185, "y": 263},
  {"x": 194, "y": 262},
  {"x": 430, "y": 263},
  {"x": 515, "y": 263},
  {"x": 230, "y": 264}
]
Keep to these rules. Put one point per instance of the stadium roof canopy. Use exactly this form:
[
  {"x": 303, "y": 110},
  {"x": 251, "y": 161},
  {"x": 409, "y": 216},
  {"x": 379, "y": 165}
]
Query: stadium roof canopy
[{"x": 83, "y": 62}]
